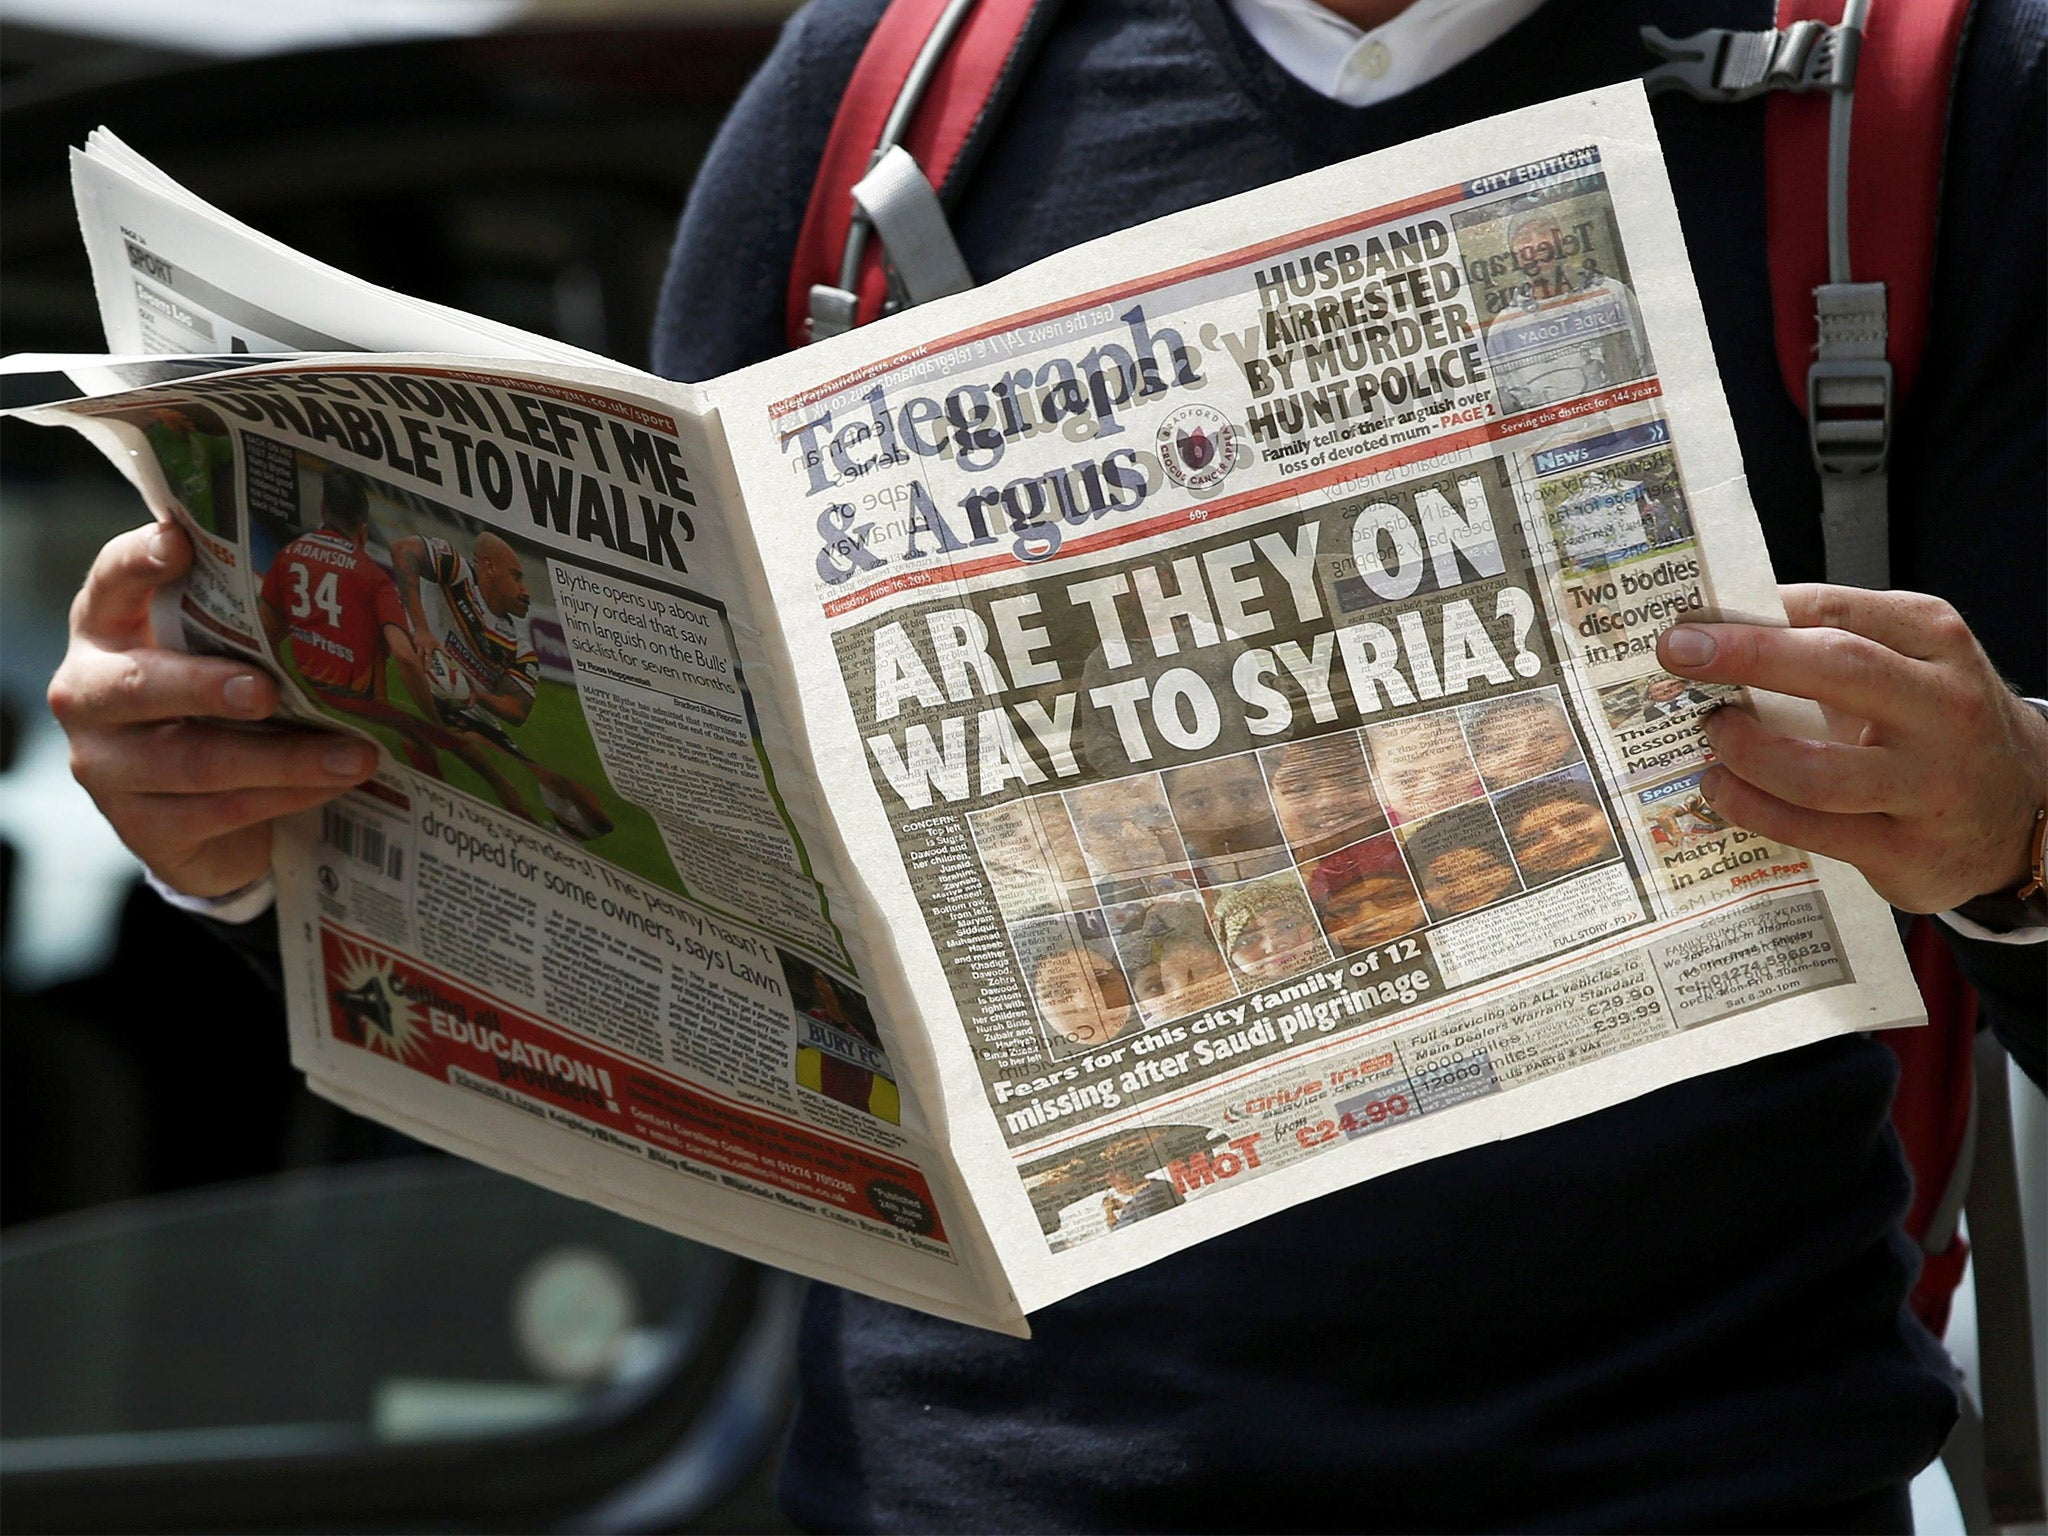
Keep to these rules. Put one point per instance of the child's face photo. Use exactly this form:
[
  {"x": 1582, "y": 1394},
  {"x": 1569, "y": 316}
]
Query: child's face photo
[
  {"x": 1422, "y": 766},
  {"x": 1127, "y": 833},
  {"x": 1268, "y": 931},
  {"x": 1521, "y": 737},
  {"x": 1556, "y": 827},
  {"x": 1461, "y": 861},
  {"x": 1323, "y": 794},
  {"x": 1363, "y": 895},
  {"x": 1226, "y": 819},
  {"x": 1081, "y": 992},
  {"x": 1168, "y": 949}
]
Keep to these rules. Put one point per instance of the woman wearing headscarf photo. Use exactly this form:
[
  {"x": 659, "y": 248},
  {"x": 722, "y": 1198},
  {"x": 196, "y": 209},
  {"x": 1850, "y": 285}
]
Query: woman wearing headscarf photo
[{"x": 1268, "y": 930}]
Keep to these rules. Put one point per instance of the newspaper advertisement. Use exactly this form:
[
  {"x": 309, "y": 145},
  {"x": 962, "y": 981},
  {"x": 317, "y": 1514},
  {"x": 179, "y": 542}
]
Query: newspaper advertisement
[{"x": 975, "y": 806}]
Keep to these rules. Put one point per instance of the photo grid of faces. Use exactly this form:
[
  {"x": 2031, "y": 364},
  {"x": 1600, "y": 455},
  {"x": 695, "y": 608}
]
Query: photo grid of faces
[{"x": 1145, "y": 899}]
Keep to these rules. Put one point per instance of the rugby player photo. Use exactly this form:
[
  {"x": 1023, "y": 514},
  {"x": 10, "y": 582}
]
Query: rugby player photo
[
  {"x": 469, "y": 615},
  {"x": 333, "y": 616}
]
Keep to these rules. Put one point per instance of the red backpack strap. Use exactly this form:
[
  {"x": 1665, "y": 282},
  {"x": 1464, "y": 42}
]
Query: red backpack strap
[
  {"x": 1934, "y": 1115},
  {"x": 1852, "y": 193},
  {"x": 1899, "y": 132},
  {"x": 1902, "y": 67},
  {"x": 980, "y": 63}
]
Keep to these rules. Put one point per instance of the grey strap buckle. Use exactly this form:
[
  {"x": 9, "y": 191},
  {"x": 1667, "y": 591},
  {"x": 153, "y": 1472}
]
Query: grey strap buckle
[
  {"x": 1720, "y": 64},
  {"x": 1849, "y": 386},
  {"x": 897, "y": 201},
  {"x": 1849, "y": 415},
  {"x": 903, "y": 207},
  {"x": 900, "y": 206},
  {"x": 1849, "y": 390},
  {"x": 834, "y": 311}
]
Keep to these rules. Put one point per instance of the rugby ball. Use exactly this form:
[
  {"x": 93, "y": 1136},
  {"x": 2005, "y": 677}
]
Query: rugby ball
[{"x": 449, "y": 682}]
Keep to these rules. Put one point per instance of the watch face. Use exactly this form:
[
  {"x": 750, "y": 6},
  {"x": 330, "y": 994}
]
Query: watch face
[{"x": 2035, "y": 891}]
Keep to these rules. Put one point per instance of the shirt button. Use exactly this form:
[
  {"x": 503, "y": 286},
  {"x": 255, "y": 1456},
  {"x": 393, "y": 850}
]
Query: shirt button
[{"x": 1376, "y": 60}]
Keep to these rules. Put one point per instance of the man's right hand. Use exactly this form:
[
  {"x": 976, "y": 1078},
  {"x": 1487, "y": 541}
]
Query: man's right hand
[{"x": 192, "y": 798}]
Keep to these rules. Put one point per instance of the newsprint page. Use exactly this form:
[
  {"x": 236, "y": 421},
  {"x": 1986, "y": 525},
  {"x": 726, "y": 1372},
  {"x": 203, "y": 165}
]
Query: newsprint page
[{"x": 972, "y": 807}]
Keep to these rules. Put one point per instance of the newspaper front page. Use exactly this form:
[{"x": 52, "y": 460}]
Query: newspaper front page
[
  {"x": 973, "y": 807},
  {"x": 1246, "y": 630}
]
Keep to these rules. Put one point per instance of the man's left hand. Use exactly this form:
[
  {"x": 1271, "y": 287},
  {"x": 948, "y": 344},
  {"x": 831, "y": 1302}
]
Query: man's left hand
[{"x": 1936, "y": 768}]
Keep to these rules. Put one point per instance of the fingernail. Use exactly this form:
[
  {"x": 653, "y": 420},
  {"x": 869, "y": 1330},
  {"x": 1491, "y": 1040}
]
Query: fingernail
[
  {"x": 1712, "y": 782},
  {"x": 351, "y": 760},
  {"x": 243, "y": 693},
  {"x": 1689, "y": 647},
  {"x": 163, "y": 544}
]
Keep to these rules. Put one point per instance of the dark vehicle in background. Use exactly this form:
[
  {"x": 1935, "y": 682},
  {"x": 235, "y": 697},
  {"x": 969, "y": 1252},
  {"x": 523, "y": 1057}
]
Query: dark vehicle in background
[{"x": 225, "y": 1304}]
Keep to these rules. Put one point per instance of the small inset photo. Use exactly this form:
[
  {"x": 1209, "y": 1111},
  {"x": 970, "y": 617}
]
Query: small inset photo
[
  {"x": 192, "y": 446},
  {"x": 839, "y": 1051},
  {"x": 1363, "y": 894},
  {"x": 1678, "y": 815},
  {"x": 1520, "y": 736},
  {"x": 820, "y": 996},
  {"x": 1079, "y": 988},
  {"x": 196, "y": 452},
  {"x": 1617, "y": 511},
  {"x": 1226, "y": 819},
  {"x": 1268, "y": 930},
  {"x": 1556, "y": 826},
  {"x": 1422, "y": 765},
  {"x": 1661, "y": 699},
  {"x": 1460, "y": 860},
  {"x": 1323, "y": 794},
  {"x": 1085, "y": 1192},
  {"x": 1032, "y": 859},
  {"x": 1170, "y": 956},
  {"x": 1127, "y": 833},
  {"x": 1558, "y": 315}
]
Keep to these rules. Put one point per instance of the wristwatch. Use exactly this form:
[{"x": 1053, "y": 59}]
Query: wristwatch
[
  {"x": 2026, "y": 905},
  {"x": 2037, "y": 852}
]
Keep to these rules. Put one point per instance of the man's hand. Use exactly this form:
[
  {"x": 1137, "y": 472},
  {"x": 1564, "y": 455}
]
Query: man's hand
[
  {"x": 192, "y": 799},
  {"x": 1931, "y": 783}
]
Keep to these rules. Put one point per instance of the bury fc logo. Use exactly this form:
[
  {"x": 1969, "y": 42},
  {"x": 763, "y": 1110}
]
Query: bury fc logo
[{"x": 1198, "y": 448}]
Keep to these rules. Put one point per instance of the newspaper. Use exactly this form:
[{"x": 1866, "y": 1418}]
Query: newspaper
[{"x": 978, "y": 805}]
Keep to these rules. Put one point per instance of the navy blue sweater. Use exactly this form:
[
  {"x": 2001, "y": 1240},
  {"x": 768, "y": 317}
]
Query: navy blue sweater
[{"x": 1684, "y": 1312}]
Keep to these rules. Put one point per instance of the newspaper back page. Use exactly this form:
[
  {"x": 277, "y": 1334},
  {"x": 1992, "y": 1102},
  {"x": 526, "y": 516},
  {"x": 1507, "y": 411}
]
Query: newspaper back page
[
  {"x": 574, "y": 926},
  {"x": 579, "y": 927}
]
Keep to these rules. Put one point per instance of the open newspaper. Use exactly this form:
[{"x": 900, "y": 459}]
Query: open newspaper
[{"x": 978, "y": 805}]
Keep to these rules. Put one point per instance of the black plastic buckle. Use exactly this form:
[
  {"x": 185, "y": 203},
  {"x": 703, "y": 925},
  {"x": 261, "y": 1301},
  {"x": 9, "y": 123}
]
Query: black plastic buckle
[{"x": 1722, "y": 64}]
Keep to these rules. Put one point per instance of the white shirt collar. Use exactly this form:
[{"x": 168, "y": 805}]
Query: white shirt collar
[{"x": 1334, "y": 58}]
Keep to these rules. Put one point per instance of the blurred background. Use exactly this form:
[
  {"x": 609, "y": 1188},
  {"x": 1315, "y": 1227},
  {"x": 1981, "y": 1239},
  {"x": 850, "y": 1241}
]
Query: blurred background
[{"x": 225, "y": 1304}]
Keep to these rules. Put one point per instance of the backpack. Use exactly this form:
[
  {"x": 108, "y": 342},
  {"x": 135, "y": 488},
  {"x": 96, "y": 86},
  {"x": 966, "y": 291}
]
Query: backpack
[{"x": 1847, "y": 192}]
